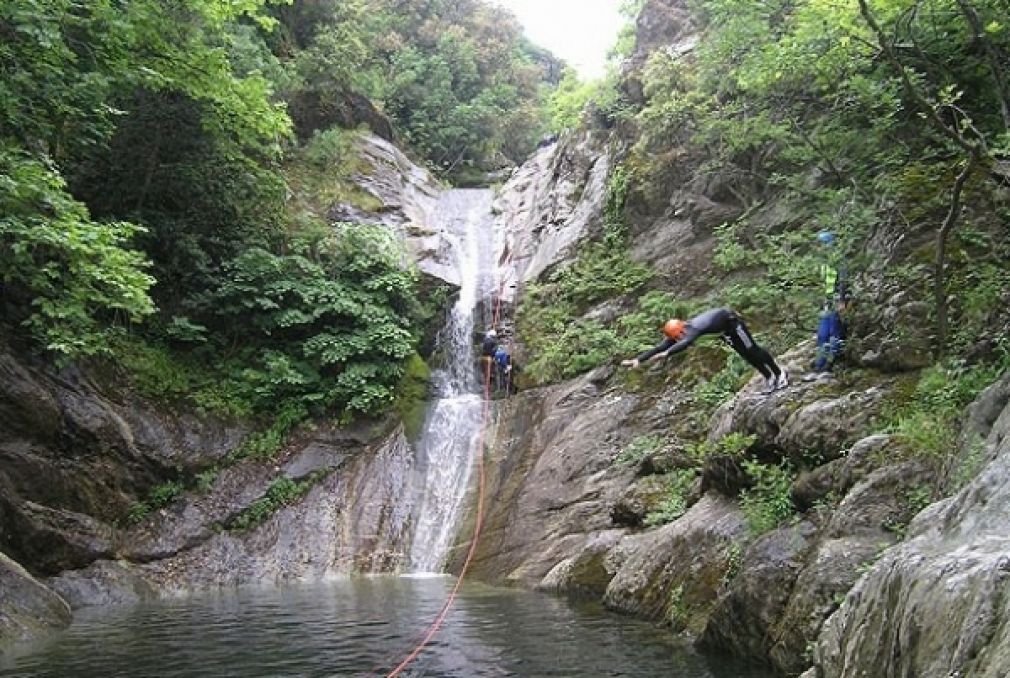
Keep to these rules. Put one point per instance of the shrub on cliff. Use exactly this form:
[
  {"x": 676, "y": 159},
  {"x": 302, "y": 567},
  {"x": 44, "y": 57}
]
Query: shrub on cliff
[{"x": 330, "y": 326}]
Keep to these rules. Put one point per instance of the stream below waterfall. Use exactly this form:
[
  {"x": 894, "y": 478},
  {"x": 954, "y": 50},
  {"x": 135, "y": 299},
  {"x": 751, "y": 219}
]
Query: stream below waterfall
[{"x": 357, "y": 627}]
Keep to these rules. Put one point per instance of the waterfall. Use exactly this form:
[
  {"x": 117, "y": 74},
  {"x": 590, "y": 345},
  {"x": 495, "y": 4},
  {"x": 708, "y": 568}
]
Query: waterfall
[{"x": 452, "y": 429}]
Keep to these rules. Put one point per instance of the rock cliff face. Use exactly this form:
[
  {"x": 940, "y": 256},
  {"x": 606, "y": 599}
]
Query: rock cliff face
[
  {"x": 937, "y": 604},
  {"x": 73, "y": 460},
  {"x": 844, "y": 577},
  {"x": 355, "y": 520},
  {"x": 28, "y": 607},
  {"x": 551, "y": 203},
  {"x": 563, "y": 513}
]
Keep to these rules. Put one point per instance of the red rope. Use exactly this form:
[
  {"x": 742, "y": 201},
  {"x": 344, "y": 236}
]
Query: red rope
[{"x": 481, "y": 482}]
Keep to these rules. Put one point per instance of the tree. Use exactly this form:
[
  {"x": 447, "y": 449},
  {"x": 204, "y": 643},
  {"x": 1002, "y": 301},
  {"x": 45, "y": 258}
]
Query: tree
[
  {"x": 65, "y": 277},
  {"x": 949, "y": 119}
]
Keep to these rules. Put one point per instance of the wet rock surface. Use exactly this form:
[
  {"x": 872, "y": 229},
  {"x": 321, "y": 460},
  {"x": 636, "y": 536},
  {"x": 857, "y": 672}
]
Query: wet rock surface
[
  {"x": 936, "y": 604},
  {"x": 550, "y": 203},
  {"x": 28, "y": 609},
  {"x": 73, "y": 461}
]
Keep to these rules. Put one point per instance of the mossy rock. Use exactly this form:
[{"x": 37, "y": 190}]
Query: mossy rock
[{"x": 412, "y": 396}]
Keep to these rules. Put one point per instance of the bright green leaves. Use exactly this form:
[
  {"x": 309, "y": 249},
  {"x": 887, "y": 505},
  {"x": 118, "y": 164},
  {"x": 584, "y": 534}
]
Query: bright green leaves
[
  {"x": 333, "y": 330},
  {"x": 567, "y": 101},
  {"x": 65, "y": 276},
  {"x": 68, "y": 60},
  {"x": 109, "y": 95},
  {"x": 458, "y": 80},
  {"x": 460, "y": 83}
]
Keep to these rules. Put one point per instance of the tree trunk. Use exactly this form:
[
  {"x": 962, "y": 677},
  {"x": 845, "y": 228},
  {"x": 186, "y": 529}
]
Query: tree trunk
[{"x": 940, "y": 261}]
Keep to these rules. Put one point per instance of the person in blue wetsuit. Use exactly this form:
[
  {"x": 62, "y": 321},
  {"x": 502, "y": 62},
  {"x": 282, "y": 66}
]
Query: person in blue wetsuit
[
  {"x": 503, "y": 370},
  {"x": 728, "y": 325},
  {"x": 830, "y": 326}
]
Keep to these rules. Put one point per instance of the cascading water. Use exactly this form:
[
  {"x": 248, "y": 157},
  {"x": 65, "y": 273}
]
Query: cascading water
[{"x": 446, "y": 448}]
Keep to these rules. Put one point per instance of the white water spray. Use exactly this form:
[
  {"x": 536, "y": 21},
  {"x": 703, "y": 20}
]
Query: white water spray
[{"x": 447, "y": 447}]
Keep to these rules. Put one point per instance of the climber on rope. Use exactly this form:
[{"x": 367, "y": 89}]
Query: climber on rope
[
  {"x": 503, "y": 370},
  {"x": 487, "y": 350},
  {"x": 727, "y": 324}
]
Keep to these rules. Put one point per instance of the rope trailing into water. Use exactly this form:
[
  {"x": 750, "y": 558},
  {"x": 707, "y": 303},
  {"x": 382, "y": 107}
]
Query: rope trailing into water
[{"x": 481, "y": 483}]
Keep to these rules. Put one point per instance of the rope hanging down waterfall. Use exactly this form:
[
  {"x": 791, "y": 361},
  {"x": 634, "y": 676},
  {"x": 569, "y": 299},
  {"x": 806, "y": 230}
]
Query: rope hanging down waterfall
[{"x": 481, "y": 481}]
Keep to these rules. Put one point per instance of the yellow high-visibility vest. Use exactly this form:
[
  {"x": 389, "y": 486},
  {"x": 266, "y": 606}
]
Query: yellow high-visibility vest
[{"x": 830, "y": 275}]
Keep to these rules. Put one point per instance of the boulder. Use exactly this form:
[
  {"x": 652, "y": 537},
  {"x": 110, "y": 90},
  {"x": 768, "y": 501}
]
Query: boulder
[
  {"x": 73, "y": 460},
  {"x": 587, "y": 573},
  {"x": 553, "y": 201},
  {"x": 554, "y": 478},
  {"x": 807, "y": 419},
  {"x": 103, "y": 582},
  {"x": 870, "y": 518},
  {"x": 673, "y": 574},
  {"x": 896, "y": 335},
  {"x": 28, "y": 609},
  {"x": 56, "y": 539},
  {"x": 356, "y": 519},
  {"x": 27, "y": 407},
  {"x": 836, "y": 478},
  {"x": 755, "y": 598},
  {"x": 936, "y": 604}
]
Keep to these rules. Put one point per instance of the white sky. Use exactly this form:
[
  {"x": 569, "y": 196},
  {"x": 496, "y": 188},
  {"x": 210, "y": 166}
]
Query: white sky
[{"x": 579, "y": 31}]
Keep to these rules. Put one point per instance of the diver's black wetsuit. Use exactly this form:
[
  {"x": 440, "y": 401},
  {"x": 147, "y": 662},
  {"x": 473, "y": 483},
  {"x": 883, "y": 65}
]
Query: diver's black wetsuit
[
  {"x": 724, "y": 322},
  {"x": 488, "y": 347}
]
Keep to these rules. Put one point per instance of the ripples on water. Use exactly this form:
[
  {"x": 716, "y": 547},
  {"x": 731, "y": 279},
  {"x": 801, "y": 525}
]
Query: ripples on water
[{"x": 361, "y": 627}]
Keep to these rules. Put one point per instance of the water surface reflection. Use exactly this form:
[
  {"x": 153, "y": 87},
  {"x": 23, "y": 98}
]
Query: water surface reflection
[{"x": 359, "y": 627}]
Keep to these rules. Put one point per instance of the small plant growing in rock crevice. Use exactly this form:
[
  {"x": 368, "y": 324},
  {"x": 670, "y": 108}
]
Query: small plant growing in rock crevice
[
  {"x": 674, "y": 505},
  {"x": 160, "y": 496},
  {"x": 734, "y": 561},
  {"x": 768, "y": 503},
  {"x": 928, "y": 425},
  {"x": 282, "y": 492},
  {"x": 677, "y": 611},
  {"x": 638, "y": 449},
  {"x": 732, "y": 444}
]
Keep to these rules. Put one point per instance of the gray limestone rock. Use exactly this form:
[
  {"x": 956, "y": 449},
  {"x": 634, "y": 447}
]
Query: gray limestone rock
[
  {"x": 756, "y": 597},
  {"x": 937, "y": 604},
  {"x": 28, "y": 609},
  {"x": 104, "y": 582},
  {"x": 673, "y": 574}
]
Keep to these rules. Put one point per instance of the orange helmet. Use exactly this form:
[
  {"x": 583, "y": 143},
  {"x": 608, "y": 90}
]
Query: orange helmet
[{"x": 674, "y": 328}]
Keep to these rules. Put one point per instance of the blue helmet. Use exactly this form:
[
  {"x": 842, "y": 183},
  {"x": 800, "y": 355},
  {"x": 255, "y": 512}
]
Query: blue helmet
[{"x": 826, "y": 237}]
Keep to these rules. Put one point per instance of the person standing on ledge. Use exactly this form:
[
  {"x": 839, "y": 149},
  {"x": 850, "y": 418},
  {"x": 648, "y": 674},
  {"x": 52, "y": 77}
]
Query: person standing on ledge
[
  {"x": 831, "y": 328},
  {"x": 727, "y": 324}
]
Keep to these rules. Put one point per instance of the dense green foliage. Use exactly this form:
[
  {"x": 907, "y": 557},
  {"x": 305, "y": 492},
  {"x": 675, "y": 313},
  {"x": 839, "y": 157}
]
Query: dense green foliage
[
  {"x": 768, "y": 502},
  {"x": 156, "y": 207},
  {"x": 64, "y": 275},
  {"x": 927, "y": 424},
  {"x": 862, "y": 116},
  {"x": 137, "y": 112},
  {"x": 561, "y": 340},
  {"x": 331, "y": 327},
  {"x": 456, "y": 77},
  {"x": 167, "y": 177},
  {"x": 674, "y": 503}
]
